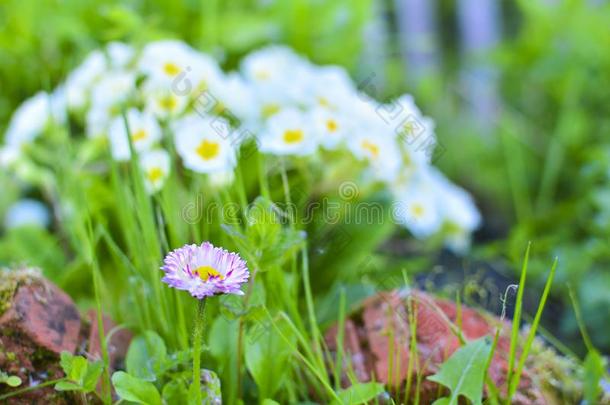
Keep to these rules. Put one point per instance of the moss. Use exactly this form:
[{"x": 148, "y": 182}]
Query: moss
[{"x": 10, "y": 280}]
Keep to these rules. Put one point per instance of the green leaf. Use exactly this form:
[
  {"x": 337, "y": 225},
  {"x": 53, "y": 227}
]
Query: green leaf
[
  {"x": 175, "y": 392},
  {"x": 463, "y": 373},
  {"x": 10, "y": 380},
  {"x": 593, "y": 373},
  {"x": 360, "y": 393},
  {"x": 267, "y": 355},
  {"x": 81, "y": 375},
  {"x": 267, "y": 235},
  {"x": 13, "y": 381},
  {"x": 94, "y": 371},
  {"x": 135, "y": 390},
  {"x": 67, "y": 386},
  {"x": 65, "y": 361},
  {"x": 146, "y": 356}
]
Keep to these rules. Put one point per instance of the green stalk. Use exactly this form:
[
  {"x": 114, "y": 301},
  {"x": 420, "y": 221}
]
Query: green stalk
[
  {"x": 197, "y": 335},
  {"x": 514, "y": 382},
  {"x": 106, "y": 390},
  {"x": 31, "y": 388},
  {"x": 517, "y": 317},
  {"x": 580, "y": 321}
]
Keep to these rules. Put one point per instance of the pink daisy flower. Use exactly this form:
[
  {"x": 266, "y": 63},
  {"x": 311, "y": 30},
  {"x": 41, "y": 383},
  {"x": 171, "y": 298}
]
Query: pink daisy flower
[{"x": 205, "y": 270}]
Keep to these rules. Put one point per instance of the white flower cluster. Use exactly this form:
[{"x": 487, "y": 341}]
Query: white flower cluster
[{"x": 277, "y": 99}]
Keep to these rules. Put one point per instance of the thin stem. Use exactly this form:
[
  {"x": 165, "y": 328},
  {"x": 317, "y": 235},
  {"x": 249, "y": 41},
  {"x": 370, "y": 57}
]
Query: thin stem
[
  {"x": 32, "y": 388},
  {"x": 197, "y": 334}
]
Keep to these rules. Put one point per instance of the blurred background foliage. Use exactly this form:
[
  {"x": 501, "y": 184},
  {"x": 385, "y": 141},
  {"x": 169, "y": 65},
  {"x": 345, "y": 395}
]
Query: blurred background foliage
[{"x": 537, "y": 159}]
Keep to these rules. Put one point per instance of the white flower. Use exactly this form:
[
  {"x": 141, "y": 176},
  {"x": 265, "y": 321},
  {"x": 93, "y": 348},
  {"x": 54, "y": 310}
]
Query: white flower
[
  {"x": 331, "y": 127},
  {"x": 330, "y": 87},
  {"x": 113, "y": 89},
  {"x": 120, "y": 54},
  {"x": 27, "y": 212},
  {"x": 155, "y": 165},
  {"x": 144, "y": 129},
  {"x": 32, "y": 116},
  {"x": 289, "y": 132},
  {"x": 166, "y": 60},
  {"x": 272, "y": 64},
  {"x": 277, "y": 73},
  {"x": 415, "y": 131},
  {"x": 204, "y": 144},
  {"x": 379, "y": 150},
  {"x": 98, "y": 119},
  {"x": 81, "y": 79},
  {"x": 458, "y": 209},
  {"x": 162, "y": 101},
  {"x": 417, "y": 208},
  {"x": 230, "y": 95}
]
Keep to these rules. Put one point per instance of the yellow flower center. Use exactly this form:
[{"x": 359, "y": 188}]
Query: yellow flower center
[
  {"x": 139, "y": 135},
  {"x": 323, "y": 102},
  {"x": 171, "y": 69},
  {"x": 205, "y": 272},
  {"x": 293, "y": 136},
  {"x": 371, "y": 148},
  {"x": 269, "y": 110},
  {"x": 168, "y": 103},
  {"x": 262, "y": 75},
  {"x": 331, "y": 125},
  {"x": 418, "y": 210},
  {"x": 155, "y": 174},
  {"x": 208, "y": 150}
]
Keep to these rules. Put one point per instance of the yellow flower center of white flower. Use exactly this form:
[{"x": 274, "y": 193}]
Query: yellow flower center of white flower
[
  {"x": 208, "y": 150},
  {"x": 205, "y": 272},
  {"x": 331, "y": 125},
  {"x": 262, "y": 75},
  {"x": 139, "y": 135},
  {"x": 171, "y": 69},
  {"x": 269, "y": 109},
  {"x": 154, "y": 174},
  {"x": 323, "y": 102},
  {"x": 371, "y": 148},
  {"x": 168, "y": 102},
  {"x": 418, "y": 210},
  {"x": 293, "y": 136}
]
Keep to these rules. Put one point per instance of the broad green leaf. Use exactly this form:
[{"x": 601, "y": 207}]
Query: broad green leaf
[
  {"x": 268, "y": 401},
  {"x": 135, "y": 390},
  {"x": 175, "y": 392},
  {"x": 94, "y": 371},
  {"x": 267, "y": 235},
  {"x": 267, "y": 355},
  {"x": 464, "y": 372},
  {"x": 75, "y": 367},
  {"x": 81, "y": 374},
  {"x": 360, "y": 393},
  {"x": 146, "y": 356},
  {"x": 13, "y": 381},
  {"x": 593, "y": 373},
  {"x": 10, "y": 380}
]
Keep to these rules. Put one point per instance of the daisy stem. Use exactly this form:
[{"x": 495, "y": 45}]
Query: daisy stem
[{"x": 197, "y": 335}]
